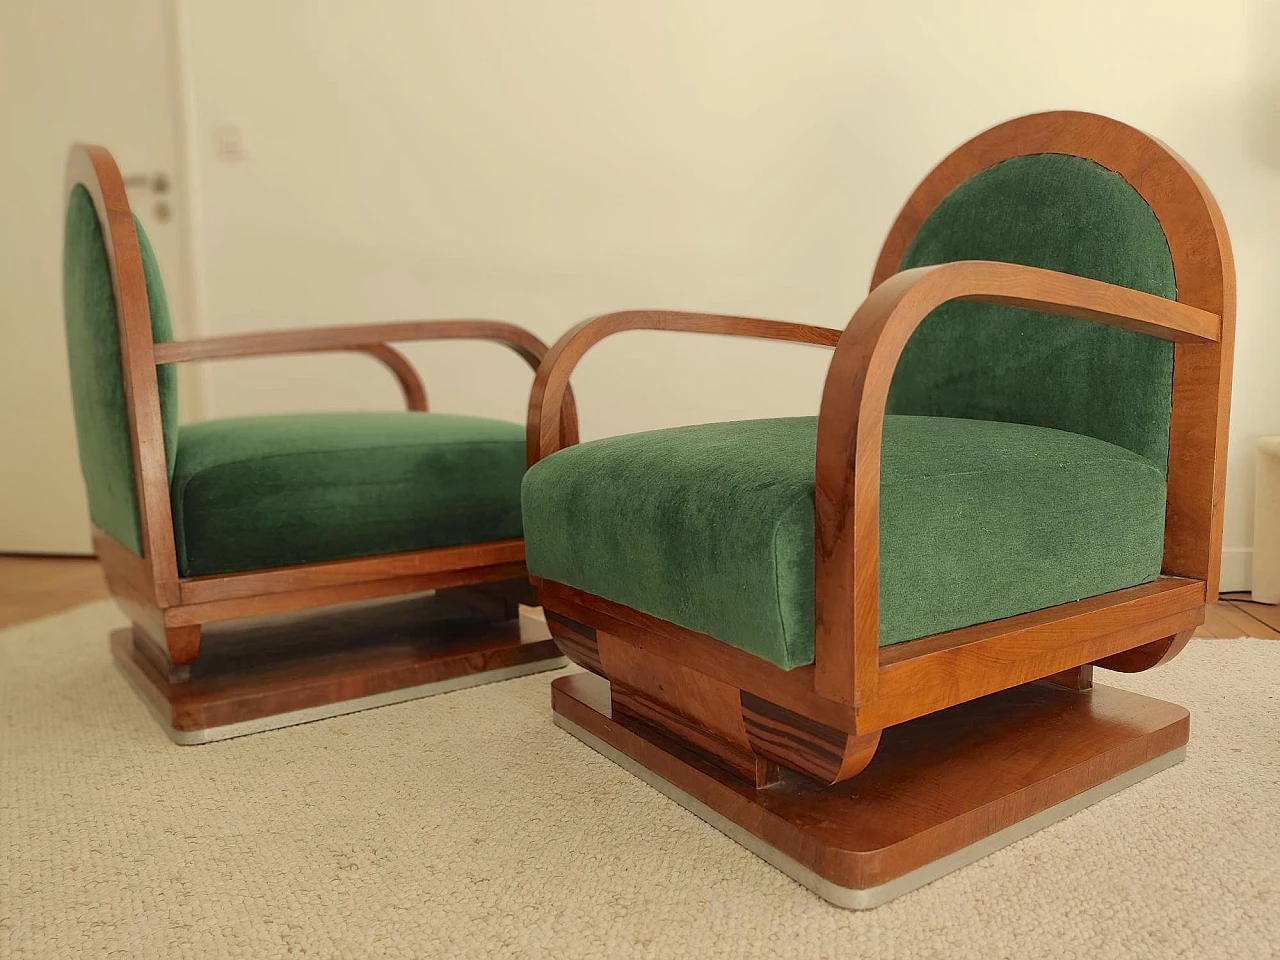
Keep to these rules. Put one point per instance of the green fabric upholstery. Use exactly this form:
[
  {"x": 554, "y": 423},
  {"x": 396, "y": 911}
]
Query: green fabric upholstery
[
  {"x": 989, "y": 362},
  {"x": 259, "y": 492},
  {"x": 711, "y": 526},
  {"x": 97, "y": 383}
]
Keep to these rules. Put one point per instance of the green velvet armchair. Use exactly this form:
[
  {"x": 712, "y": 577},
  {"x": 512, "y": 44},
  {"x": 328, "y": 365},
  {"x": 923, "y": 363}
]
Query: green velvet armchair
[
  {"x": 1016, "y": 474},
  {"x": 214, "y": 521}
]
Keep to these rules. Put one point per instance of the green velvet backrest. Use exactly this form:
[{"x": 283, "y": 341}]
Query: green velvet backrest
[
  {"x": 987, "y": 362},
  {"x": 97, "y": 381}
]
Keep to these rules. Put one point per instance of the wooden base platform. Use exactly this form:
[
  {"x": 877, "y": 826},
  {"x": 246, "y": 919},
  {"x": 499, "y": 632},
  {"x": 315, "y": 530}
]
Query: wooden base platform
[
  {"x": 275, "y": 671},
  {"x": 942, "y": 791}
]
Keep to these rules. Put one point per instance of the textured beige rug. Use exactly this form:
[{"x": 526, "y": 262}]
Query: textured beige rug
[{"x": 469, "y": 826}]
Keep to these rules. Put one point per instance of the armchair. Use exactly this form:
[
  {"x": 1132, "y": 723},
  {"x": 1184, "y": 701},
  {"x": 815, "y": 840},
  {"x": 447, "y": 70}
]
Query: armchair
[
  {"x": 203, "y": 525},
  {"x": 863, "y": 645}
]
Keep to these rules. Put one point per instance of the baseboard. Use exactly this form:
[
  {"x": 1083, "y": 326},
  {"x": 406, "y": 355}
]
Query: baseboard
[{"x": 1237, "y": 569}]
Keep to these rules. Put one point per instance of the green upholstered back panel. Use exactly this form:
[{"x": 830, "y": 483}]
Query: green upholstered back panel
[
  {"x": 987, "y": 362},
  {"x": 97, "y": 383}
]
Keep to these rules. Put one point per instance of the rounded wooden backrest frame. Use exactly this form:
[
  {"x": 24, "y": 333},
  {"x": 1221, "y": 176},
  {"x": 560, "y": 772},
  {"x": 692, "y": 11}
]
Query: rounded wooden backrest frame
[
  {"x": 1200, "y": 323},
  {"x": 95, "y": 169},
  {"x": 1204, "y": 274}
]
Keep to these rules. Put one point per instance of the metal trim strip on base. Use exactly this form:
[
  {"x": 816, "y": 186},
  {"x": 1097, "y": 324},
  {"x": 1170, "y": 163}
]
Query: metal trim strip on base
[
  {"x": 338, "y": 708},
  {"x": 852, "y": 898}
]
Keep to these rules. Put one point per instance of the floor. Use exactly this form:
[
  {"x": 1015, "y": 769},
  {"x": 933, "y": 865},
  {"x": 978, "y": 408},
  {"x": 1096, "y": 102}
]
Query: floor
[
  {"x": 470, "y": 826},
  {"x": 1236, "y": 616},
  {"x": 34, "y": 587}
]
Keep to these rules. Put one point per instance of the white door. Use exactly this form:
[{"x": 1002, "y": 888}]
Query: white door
[{"x": 71, "y": 70}]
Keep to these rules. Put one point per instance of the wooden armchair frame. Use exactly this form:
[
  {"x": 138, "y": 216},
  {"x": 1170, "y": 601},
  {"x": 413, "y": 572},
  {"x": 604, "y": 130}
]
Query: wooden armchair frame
[
  {"x": 168, "y": 610},
  {"x": 826, "y": 719}
]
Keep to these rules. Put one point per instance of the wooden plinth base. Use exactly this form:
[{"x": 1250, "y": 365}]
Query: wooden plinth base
[
  {"x": 941, "y": 792},
  {"x": 269, "y": 672}
]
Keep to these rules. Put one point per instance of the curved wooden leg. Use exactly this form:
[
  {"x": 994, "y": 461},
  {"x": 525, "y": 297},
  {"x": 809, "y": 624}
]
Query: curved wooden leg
[
  {"x": 576, "y": 641},
  {"x": 1146, "y": 656},
  {"x": 702, "y": 732},
  {"x": 745, "y": 733},
  {"x": 804, "y": 744},
  {"x": 1077, "y": 678},
  {"x": 172, "y": 655},
  {"x": 183, "y": 643},
  {"x": 497, "y": 600}
]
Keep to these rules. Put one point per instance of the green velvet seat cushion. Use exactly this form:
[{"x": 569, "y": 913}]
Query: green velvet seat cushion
[
  {"x": 272, "y": 491},
  {"x": 711, "y": 526}
]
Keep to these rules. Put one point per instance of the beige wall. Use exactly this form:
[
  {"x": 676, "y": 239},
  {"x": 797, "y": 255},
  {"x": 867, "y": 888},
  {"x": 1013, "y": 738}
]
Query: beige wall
[
  {"x": 547, "y": 161},
  {"x": 71, "y": 70}
]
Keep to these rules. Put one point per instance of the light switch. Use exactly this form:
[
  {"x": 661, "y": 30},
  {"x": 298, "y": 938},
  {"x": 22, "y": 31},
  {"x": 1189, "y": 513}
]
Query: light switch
[{"x": 228, "y": 140}]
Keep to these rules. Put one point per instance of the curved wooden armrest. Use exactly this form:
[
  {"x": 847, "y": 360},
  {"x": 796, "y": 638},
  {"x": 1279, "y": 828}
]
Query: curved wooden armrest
[
  {"x": 546, "y": 436},
  {"x": 851, "y": 420},
  {"x": 371, "y": 339}
]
